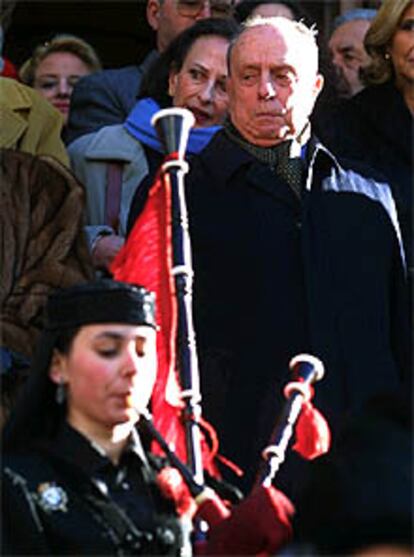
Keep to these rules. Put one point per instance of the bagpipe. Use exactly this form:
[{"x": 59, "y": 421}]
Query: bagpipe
[{"x": 158, "y": 255}]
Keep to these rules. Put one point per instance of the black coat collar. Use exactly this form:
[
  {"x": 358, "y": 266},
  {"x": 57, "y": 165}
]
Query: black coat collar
[
  {"x": 232, "y": 158},
  {"x": 75, "y": 449}
]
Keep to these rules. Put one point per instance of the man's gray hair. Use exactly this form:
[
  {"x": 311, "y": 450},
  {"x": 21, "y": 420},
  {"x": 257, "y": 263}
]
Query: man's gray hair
[
  {"x": 353, "y": 15},
  {"x": 306, "y": 34}
]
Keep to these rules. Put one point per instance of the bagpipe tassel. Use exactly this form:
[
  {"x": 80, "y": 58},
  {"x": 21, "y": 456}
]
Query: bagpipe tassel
[{"x": 313, "y": 436}]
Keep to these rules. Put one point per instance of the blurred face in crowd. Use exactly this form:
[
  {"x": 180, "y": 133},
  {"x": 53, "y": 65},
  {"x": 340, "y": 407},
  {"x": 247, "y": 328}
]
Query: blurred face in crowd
[
  {"x": 109, "y": 373},
  {"x": 401, "y": 49},
  {"x": 170, "y": 17},
  {"x": 348, "y": 55},
  {"x": 200, "y": 84},
  {"x": 273, "y": 83},
  {"x": 56, "y": 76},
  {"x": 273, "y": 10}
]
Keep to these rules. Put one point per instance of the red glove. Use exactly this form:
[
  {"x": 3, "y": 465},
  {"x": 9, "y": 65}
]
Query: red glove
[{"x": 260, "y": 524}]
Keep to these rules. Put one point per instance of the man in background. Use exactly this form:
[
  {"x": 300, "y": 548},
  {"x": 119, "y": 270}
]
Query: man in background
[
  {"x": 348, "y": 54},
  {"x": 293, "y": 252}
]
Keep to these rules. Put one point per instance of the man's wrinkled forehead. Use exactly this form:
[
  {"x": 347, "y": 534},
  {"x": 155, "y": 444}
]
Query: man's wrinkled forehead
[
  {"x": 247, "y": 42},
  {"x": 259, "y": 43},
  {"x": 269, "y": 43}
]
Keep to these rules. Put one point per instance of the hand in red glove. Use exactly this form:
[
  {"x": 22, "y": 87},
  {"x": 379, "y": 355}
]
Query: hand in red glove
[{"x": 260, "y": 524}]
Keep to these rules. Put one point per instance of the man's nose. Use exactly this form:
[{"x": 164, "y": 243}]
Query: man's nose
[
  {"x": 267, "y": 89},
  {"x": 336, "y": 59}
]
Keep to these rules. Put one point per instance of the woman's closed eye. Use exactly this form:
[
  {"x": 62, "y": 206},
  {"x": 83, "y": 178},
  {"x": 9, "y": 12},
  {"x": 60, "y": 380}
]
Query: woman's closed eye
[
  {"x": 49, "y": 84},
  {"x": 108, "y": 352}
]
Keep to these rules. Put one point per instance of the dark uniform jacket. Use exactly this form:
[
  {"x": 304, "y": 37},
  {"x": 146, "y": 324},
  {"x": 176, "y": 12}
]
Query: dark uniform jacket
[
  {"x": 276, "y": 275},
  {"x": 69, "y": 499}
]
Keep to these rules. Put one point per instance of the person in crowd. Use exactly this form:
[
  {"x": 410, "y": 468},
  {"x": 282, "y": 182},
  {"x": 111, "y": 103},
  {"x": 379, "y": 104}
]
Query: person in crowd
[
  {"x": 7, "y": 68},
  {"x": 348, "y": 54},
  {"x": 268, "y": 8},
  {"x": 299, "y": 252},
  {"x": 327, "y": 100},
  {"x": 43, "y": 248},
  {"x": 56, "y": 66},
  {"x": 358, "y": 499},
  {"x": 28, "y": 122},
  {"x": 376, "y": 126},
  {"x": 191, "y": 73},
  {"x": 108, "y": 97},
  {"x": 76, "y": 478}
]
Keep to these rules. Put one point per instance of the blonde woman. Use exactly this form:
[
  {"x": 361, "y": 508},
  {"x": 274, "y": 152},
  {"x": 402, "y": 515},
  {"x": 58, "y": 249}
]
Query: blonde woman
[{"x": 56, "y": 66}]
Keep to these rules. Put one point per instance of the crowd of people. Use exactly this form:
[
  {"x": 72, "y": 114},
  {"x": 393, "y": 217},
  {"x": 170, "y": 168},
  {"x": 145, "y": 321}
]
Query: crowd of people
[{"x": 299, "y": 200}]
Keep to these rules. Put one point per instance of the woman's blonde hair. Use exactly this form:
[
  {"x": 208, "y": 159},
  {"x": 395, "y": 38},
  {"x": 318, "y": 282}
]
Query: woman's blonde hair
[
  {"x": 60, "y": 43},
  {"x": 378, "y": 38}
]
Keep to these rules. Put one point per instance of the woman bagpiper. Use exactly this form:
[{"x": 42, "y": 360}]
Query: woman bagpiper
[{"x": 76, "y": 478}]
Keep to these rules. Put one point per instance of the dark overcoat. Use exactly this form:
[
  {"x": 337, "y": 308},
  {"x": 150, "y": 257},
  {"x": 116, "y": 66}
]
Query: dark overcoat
[{"x": 275, "y": 276}]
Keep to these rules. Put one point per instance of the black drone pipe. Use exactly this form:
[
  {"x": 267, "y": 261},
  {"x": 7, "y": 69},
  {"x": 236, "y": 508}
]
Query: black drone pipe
[
  {"x": 306, "y": 370},
  {"x": 173, "y": 127}
]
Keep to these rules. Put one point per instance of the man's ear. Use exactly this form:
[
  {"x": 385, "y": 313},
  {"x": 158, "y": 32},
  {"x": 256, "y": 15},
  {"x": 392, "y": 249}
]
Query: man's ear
[
  {"x": 319, "y": 83},
  {"x": 172, "y": 83},
  {"x": 57, "y": 369},
  {"x": 153, "y": 14}
]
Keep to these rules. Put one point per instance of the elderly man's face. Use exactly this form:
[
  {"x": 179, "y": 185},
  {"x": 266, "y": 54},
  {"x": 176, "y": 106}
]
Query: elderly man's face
[
  {"x": 273, "y": 85},
  {"x": 348, "y": 54}
]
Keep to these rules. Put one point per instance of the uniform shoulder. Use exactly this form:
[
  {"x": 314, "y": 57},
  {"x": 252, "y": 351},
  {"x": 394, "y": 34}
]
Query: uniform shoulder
[{"x": 25, "y": 467}]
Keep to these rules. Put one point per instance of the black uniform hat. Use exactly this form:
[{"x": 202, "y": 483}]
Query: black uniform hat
[{"x": 103, "y": 301}]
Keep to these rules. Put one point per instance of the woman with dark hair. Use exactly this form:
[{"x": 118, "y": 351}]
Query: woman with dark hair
[
  {"x": 76, "y": 478},
  {"x": 191, "y": 74}
]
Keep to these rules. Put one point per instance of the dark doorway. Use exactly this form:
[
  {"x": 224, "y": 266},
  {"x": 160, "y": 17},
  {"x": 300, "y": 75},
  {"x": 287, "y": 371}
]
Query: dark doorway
[{"x": 117, "y": 29}]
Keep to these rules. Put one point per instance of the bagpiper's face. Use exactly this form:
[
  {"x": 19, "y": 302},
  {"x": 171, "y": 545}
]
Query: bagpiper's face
[{"x": 109, "y": 373}]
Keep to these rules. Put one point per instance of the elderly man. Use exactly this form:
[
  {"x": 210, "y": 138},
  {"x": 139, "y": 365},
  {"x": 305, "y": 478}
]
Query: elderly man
[
  {"x": 348, "y": 54},
  {"x": 107, "y": 97},
  {"x": 293, "y": 252}
]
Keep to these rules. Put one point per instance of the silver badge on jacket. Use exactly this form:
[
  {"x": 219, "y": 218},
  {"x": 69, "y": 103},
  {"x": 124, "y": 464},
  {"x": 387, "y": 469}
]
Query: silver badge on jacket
[{"x": 51, "y": 497}]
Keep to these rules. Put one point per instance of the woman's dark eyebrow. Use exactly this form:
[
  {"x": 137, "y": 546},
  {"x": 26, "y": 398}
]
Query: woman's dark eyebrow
[{"x": 117, "y": 336}]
